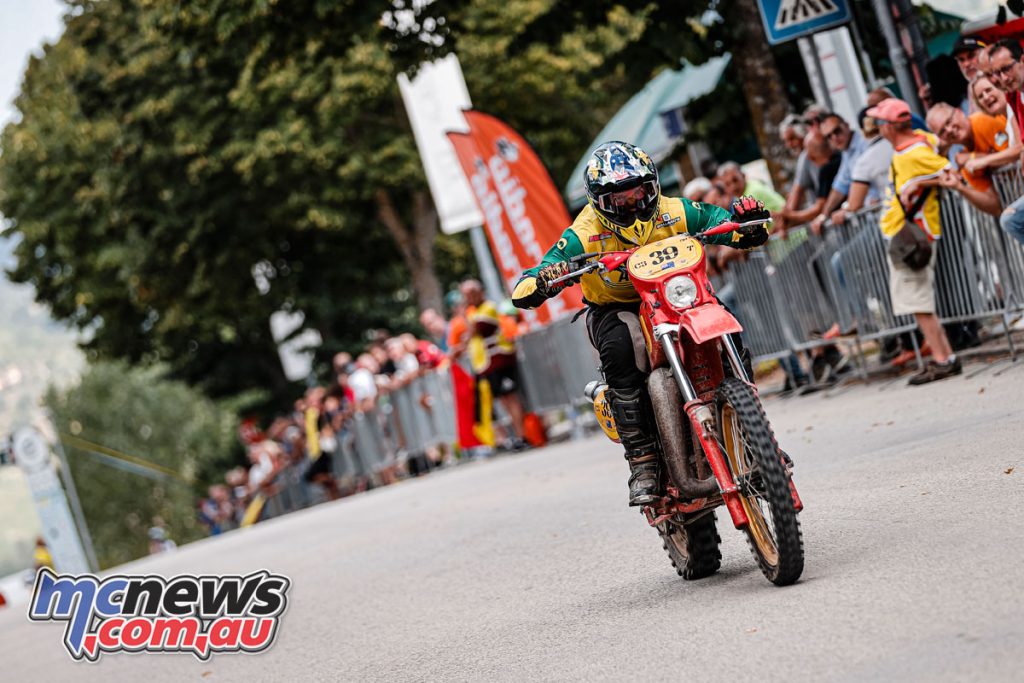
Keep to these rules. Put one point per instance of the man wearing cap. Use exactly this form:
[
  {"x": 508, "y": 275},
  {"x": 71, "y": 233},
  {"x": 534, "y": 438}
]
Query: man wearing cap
[
  {"x": 966, "y": 51},
  {"x": 1006, "y": 70},
  {"x": 976, "y": 135},
  {"x": 916, "y": 167}
]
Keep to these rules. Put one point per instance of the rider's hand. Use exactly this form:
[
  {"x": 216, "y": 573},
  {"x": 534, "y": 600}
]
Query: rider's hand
[
  {"x": 547, "y": 274},
  {"x": 747, "y": 209}
]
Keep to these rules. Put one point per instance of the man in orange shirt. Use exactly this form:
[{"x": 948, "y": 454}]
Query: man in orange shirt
[{"x": 979, "y": 134}]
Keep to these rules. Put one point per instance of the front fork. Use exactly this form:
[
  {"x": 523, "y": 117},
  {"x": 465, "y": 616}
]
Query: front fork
[{"x": 702, "y": 417}]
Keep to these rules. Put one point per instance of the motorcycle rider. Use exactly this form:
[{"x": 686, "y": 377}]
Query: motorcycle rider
[{"x": 625, "y": 209}]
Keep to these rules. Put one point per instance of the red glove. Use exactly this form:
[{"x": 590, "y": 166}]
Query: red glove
[{"x": 747, "y": 209}]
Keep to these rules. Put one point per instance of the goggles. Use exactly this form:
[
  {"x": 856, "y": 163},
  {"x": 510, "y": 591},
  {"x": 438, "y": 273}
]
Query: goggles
[{"x": 626, "y": 206}]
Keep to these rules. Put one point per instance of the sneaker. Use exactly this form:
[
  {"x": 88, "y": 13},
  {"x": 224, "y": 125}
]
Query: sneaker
[
  {"x": 908, "y": 356},
  {"x": 839, "y": 361},
  {"x": 889, "y": 350},
  {"x": 936, "y": 371},
  {"x": 821, "y": 371},
  {"x": 832, "y": 332},
  {"x": 519, "y": 445},
  {"x": 795, "y": 385}
]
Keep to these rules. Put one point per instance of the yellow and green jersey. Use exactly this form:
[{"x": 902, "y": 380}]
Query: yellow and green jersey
[{"x": 588, "y": 236}]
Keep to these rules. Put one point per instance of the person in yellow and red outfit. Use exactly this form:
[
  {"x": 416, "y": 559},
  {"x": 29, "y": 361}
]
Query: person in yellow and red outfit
[
  {"x": 626, "y": 209},
  {"x": 489, "y": 342}
]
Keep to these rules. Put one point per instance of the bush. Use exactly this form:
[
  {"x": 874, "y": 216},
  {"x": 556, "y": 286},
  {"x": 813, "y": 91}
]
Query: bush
[{"x": 138, "y": 413}]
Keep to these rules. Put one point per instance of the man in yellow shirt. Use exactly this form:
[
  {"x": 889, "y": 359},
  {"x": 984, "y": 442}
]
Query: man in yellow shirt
[{"x": 916, "y": 167}]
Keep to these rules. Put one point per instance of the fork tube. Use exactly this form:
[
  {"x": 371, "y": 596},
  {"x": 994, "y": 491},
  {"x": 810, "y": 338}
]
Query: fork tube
[
  {"x": 734, "y": 358},
  {"x": 700, "y": 417},
  {"x": 668, "y": 345}
]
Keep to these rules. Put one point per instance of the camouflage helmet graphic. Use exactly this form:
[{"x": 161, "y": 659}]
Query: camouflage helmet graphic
[{"x": 621, "y": 181}]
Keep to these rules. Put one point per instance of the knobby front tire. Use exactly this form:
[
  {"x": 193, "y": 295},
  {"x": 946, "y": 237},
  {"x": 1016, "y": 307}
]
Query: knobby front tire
[
  {"x": 693, "y": 547},
  {"x": 753, "y": 457}
]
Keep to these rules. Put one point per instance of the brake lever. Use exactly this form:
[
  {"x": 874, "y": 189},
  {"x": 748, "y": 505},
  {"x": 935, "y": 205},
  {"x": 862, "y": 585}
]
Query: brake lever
[{"x": 576, "y": 273}]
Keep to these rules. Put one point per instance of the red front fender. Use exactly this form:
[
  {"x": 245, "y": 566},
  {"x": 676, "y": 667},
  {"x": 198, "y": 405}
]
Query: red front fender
[{"x": 708, "y": 322}]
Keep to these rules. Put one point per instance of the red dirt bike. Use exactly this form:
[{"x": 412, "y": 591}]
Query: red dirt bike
[{"x": 717, "y": 446}]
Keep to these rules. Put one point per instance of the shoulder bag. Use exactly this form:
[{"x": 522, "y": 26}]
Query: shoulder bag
[{"x": 912, "y": 245}]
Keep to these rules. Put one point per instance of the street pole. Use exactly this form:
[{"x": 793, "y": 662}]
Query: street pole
[
  {"x": 809, "y": 47},
  {"x": 488, "y": 273},
  {"x": 76, "y": 505},
  {"x": 900, "y": 64},
  {"x": 903, "y": 14},
  {"x": 865, "y": 60}
]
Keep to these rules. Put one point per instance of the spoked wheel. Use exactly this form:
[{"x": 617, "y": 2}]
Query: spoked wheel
[
  {"x": 692, "y": 547},
  {"x": 753, "y": 457}
]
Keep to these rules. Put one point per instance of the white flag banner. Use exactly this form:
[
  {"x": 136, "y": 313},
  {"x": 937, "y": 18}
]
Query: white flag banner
[{"x": 435, "y": 100}]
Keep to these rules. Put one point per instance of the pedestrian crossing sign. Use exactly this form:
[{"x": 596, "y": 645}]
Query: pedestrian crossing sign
[{"x": 785, "y": 20}]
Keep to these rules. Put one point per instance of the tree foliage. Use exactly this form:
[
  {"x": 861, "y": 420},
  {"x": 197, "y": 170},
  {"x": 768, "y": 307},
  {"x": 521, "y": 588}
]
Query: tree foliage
[
  {"x": 138, "y": 413},
  {"x": 180, "y": 170},
  {"x": 166, "y": 150}
]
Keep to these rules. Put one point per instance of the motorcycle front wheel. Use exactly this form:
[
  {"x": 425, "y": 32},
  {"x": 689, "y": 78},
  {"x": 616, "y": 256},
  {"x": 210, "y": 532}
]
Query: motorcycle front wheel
[
  {"x": 749, "y": 447},
  {"x": 692, "y": 546}
]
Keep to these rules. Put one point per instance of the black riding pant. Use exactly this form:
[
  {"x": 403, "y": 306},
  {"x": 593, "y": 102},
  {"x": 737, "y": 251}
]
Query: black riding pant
[{"x": 615, "y": 333}]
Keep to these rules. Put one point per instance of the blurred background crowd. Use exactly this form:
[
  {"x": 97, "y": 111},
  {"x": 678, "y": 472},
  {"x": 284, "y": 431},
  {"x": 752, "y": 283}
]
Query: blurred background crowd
[{"x": 319, "y": 424}]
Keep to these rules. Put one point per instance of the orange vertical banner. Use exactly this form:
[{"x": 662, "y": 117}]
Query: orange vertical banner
[{"x": 523, "y": 211}]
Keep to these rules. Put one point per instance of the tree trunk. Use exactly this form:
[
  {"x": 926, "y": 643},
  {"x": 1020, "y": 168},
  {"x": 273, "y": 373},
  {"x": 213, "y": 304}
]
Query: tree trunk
[
  {"x": 762, "y": 85},
  {"x": 415, "y": 243}
]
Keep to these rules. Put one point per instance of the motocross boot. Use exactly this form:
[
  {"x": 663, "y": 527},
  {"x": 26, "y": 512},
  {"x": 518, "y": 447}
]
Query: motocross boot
[{"x": 636, "y": 432}]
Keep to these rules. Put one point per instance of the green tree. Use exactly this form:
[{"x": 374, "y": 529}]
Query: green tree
[
  {"x": 140, "y": 414},
  {"x": 167, "y": 151},
  {"x": 558, "y": 70}
]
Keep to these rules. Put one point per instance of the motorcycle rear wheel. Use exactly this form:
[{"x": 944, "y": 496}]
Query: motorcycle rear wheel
[
  {"x": 753, "y": 457},
  {"x": 692, "y": 547}
]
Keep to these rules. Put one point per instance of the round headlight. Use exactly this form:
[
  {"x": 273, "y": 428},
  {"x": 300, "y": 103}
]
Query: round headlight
[{"x": 680, "y": 291}]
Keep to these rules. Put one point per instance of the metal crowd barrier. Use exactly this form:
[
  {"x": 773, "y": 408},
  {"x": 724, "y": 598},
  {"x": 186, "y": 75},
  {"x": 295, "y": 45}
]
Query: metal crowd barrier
[
  {"x": 789, "y": 293},
  {"x": 405, "y": 424},
  {"x": 555, "y": 364},
  {"x": 797, "y": 287}
]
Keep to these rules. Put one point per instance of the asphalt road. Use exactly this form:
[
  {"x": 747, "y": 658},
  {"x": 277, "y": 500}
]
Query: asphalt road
[{"x": 531, "y": 567}]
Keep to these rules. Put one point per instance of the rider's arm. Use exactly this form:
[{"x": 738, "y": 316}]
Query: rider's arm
[
  {"x": 701, "y": 217},
  {"x": 526, "y": 294}
]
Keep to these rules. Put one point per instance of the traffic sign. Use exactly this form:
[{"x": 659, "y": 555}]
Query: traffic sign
[
  {"x": 30, "y": 450},
  {"x": 33, "y": 456},
  {"x": 785, "y": 20}
]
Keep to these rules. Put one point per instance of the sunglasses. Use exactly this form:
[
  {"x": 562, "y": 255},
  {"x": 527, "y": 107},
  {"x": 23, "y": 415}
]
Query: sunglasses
[
  {"x": 1002, "y": 71},
  {"x": 835, "y": 132}
]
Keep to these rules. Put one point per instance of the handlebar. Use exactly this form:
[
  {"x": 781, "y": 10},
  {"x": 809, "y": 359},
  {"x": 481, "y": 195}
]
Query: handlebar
[
  {"x": 720, "y": 229},
  {"x": 731, "y": 226}
]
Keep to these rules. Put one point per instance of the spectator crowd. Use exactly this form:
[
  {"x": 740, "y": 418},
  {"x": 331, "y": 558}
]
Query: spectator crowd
[
  {"x": 309, "y": 438},
  {"x": 891, "y": 157}
]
